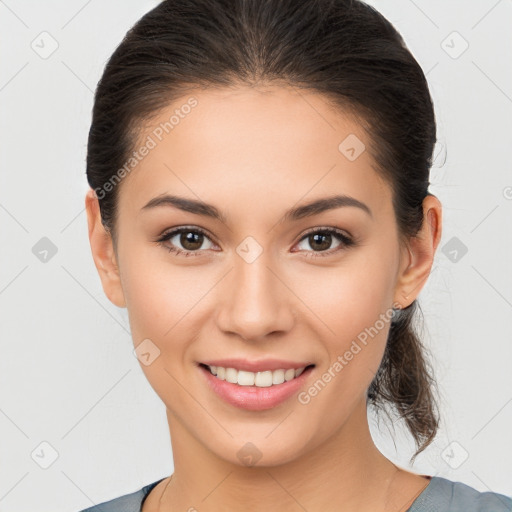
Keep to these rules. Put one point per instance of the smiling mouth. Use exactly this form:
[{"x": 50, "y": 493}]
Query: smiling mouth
[{"x": 263, "y": 379}]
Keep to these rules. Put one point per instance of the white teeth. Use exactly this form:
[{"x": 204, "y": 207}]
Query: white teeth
[
  {"x": 278, "y": 377},
  {"x": 245, "y": 378},
  {"x": 289, "y": 374},
  {"x": 231, "y": 375},
  {"x": 263, "y": 379}
]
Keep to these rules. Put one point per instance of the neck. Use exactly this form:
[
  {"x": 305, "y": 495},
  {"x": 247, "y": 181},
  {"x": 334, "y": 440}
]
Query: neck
[{"x": 347, "y": 472}]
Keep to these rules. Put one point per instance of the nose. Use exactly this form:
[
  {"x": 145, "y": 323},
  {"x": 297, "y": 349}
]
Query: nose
[{"x": 254, "y": 301}]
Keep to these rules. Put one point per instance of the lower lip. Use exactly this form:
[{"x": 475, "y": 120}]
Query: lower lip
[{"x": 254, "y": 398}]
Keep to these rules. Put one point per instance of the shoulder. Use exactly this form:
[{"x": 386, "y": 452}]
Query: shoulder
[
  {"x": 128, "y": 503},
  {"x": 445, "y": 495}
]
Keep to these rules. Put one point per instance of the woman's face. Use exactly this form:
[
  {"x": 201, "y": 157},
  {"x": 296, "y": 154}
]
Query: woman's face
[{"x": 258, "y": 290}]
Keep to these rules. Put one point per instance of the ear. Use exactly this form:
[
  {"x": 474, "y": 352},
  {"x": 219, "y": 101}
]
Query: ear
[
  {"x": 418, "y": 256},
  {"x": 103, "y": 252}
]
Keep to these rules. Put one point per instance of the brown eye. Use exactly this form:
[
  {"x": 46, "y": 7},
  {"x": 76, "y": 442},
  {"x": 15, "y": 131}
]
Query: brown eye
[
  {"x": 321, "y": 241},
  {"x": 191, "y": 240},
  {"x": 186, "y": 241}
]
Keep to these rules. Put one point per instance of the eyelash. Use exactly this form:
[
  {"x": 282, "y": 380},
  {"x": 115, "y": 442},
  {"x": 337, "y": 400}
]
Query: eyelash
[{"x": 345, "y": 240}]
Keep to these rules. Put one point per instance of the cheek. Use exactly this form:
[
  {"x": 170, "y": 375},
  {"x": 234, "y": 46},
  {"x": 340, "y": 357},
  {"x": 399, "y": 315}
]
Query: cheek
[
  {"x": 161, "y": 302},
  {"x": 353, "y": 307},
  {"x": 358, "y": 319},
  {"x": 159, "y": 296},
  {"x": 351, "y": 296}
]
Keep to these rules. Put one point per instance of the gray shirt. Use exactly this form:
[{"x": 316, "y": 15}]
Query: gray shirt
[{"x": 440, "y": 495}]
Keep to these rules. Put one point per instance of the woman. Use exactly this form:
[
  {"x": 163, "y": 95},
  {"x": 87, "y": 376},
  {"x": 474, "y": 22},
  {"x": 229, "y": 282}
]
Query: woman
[{"x": 259, "y": 202}]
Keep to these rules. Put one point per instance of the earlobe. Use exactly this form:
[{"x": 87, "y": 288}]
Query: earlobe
[
  {"x": 103, "y": 252},
  {"x": 420, "y": 253}
]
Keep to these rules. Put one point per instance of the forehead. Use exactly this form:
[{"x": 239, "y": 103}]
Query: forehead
[{"x": 254, "y": 146}]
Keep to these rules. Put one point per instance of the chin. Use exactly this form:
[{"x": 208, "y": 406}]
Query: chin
[{"x": 259, "y": 450}]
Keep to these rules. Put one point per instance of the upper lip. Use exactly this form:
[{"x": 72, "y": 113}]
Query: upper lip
[{"x": 256, "y": 366}]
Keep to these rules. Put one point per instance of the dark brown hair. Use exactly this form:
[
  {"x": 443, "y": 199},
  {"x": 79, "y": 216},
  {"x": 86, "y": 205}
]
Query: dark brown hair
[{"x": 343, "y": 49}]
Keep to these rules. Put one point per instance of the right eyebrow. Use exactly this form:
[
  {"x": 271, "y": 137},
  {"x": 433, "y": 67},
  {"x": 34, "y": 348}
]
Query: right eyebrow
[{"x": 187, "y": 205}]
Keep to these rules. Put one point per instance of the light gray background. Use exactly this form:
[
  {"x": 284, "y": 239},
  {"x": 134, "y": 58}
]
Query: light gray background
[{"x": 67, "y": 373}]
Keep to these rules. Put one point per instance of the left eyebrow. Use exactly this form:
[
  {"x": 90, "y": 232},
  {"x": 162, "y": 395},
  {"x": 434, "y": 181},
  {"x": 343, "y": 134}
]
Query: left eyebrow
[
  {"x": 321, "y": 205},
  {"x": 307, "y": 210}
]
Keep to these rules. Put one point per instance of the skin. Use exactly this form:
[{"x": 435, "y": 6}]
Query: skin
[{"x": 255, "y": 153}]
